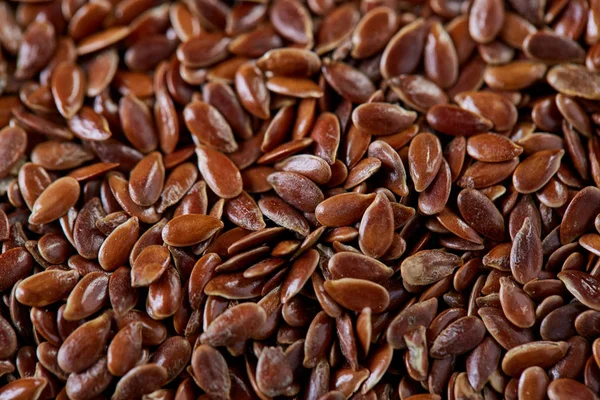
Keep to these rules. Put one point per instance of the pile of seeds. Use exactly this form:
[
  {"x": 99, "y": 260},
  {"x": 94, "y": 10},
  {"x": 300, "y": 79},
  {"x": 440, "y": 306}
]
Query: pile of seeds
[{"x": 320, "y": 200}]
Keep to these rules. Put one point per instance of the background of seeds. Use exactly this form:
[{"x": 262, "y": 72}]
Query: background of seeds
[{"x": 372, "y": 200}]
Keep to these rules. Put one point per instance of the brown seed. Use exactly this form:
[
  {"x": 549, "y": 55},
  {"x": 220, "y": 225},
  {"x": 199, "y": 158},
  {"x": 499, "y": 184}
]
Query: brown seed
[
  {"x": 290, "y": 62},
  {"x": 203, "y": 50},
  {"x": 326, "y": 137},
  {"x": 125, "y": 349},
  {"x": 123, "y": 297},
  {"x": 149, "y": 265},
  {"x": 294, "y": 87},
  {"x": 553, "y": 48},
  {"x": 425, "y": 159},
  {"x": 350, "y": 83},
  {"x": 24, "y": 388},
  {"x": 241, "y": 322},
  {"x": 273, "y": 372},
  {"x": 292, "y": 21},
  {"x": 343, "y": 209},
  {"x": 376, "y": 227},
  {"x": 578, "y": 217},
  {"x": 481, "y": 214},
  {"x": 147, "y": 179},
  {"x": 68, "y": 88},
  {"x": 382, "y": 119},
  {"x": 84, "y": 346},
  {"x": 403, "y": 52},
  {"x": 219, "y": 172},
  {"x": 141, "y": 380},
  {"x": 210, "y": 371},
  {"x": 120, "y": 190},
  {"x": 284, "y": 215},
  {"x": 137, "y": 122},
  {"x": 564, "y": 388},
  {"x": 354, "y": 265},
  {"x": 541, "y": 353},
  {"x": 15, "y": 264},
  {"x": 441, "y": 60},
  {"x": 517, "y": 306},
  {"x": 485, "y": 20},
  {"x": 300, "y": 272},
  {"x": 536, "y": 170},
  {"x": 418, "y": 92},
  {"x": 526, "y": 253},
  {"x": 459, "y": 337},
  {"x": 209, "y": 127},
  {"x": 455, "y": 121},
  {"x": 251, "y": 89},
  {"x": 90, "y": 382},
  {"x": 88, "y": 296},
  {"x": 495, "y": 107},
  {"x": 373, "y": 32},
  {"x": 482, "y": 362},
  {"x": 55, "y": 201},
  {"x": 13, "y": 143},
  {"x": 583, "y": 286},
  {"x": 36, "y": 49},
  {"x": 336, "y": 28}
]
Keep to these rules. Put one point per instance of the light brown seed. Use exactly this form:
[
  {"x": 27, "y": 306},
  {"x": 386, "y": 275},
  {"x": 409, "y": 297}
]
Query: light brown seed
[
  {"x": 190, "y": 229},
  {"x": 574, "y": 80},
  {"x": 114, "y": 252},
  {"x": 428, "y": 266},
  {"x": 55, "y": 201},
  {"x": 46, "y": 287},
  {"x": 515, "y": 75},
  {"x": 345, "y": 292},
  {"x": 540, "y": 353}
]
